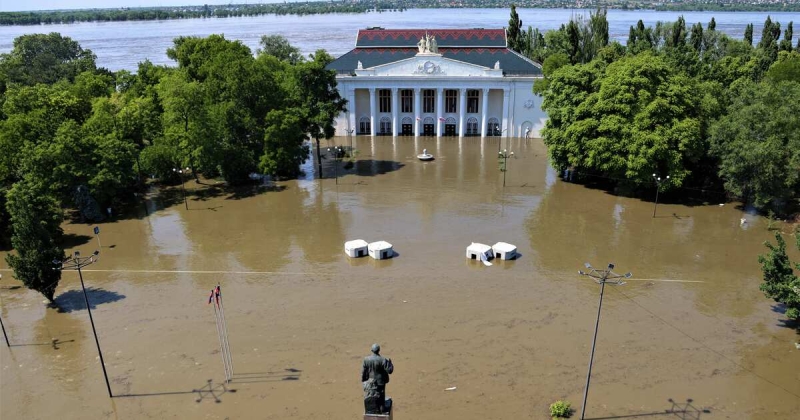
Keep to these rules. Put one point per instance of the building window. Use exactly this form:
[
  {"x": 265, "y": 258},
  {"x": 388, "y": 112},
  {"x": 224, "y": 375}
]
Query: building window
[
  {"x": 385, "y": 98},
  {"x": 428, "y": 101},
  {"x": 450, "y": 98},
  {"x": 407, "y": 99},
  {"x": 472, "y": 126},
  {"x": 493, "y": 128},
  {"x": 364, "y": 127},
  {"x": 386, "y": 125},
  {"x": 472, "y": 101}
]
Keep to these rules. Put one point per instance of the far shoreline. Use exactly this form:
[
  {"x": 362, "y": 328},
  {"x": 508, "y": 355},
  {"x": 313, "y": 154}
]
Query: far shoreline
[{"x": 169, "y": 13}]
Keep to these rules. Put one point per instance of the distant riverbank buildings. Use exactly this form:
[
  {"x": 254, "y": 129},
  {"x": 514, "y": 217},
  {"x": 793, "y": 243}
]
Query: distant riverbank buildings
[{"x": 440, "y": 82}]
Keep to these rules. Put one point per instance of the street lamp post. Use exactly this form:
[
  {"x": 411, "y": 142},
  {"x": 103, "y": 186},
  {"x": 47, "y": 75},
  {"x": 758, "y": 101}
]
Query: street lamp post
[
  {"x": 3, "y": 326},
  {"x": 601, "y": 277},
  {"x": 499, "y": 133},
  {"x": 76, "y": 262},
  {"x": 337, "y": 152},
  {"x": 658, "y": 188},
  {"x": 180, "y": 173},
  {"x": 350, "y": 139},
  {"x": 505, "y": 155}
]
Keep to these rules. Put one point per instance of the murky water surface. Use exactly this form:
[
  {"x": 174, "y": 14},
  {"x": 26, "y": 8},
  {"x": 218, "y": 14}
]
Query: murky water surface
[{"x": 512, "y": 338}]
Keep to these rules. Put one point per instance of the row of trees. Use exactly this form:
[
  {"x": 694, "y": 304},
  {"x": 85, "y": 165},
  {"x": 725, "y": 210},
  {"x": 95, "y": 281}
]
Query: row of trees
[
  {"x": 75, "y": 136},
  {"x": 710, "y": 111},
  {"x": 187, "y": 12}
]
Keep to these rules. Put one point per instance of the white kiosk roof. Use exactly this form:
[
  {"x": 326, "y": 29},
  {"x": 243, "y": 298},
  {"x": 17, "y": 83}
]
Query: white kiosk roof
[
  {"x": 479, "y": 248},
  {"x": 504, "y": 247},
  {"x": 358, "y": 243},
  {"x": 379, "y": 246}
]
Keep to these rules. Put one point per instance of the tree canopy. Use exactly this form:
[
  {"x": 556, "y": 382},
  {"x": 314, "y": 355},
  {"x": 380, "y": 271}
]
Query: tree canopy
[
  {"x": 692, "y": 103},
  {"x": 77, "y": 137}
]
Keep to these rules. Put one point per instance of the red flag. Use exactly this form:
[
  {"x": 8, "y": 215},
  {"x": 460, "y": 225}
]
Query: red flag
[{"x": 441, "y": 119}]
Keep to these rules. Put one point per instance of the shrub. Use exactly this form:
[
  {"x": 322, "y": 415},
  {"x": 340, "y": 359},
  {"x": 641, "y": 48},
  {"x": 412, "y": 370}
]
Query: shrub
[{"x": 560, "y": 409}]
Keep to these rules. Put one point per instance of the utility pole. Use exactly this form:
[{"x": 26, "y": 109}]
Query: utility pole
[
  {"x": 658, "y": 188},
  {"x": 3, "y": 326},
  {"x": 76, "y": 262},
  {"x": 601, "y": 277}
]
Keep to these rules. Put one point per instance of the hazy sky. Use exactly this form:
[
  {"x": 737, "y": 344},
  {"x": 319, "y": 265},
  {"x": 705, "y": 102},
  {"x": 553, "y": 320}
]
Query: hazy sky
[{"x": 19, "y": 5}]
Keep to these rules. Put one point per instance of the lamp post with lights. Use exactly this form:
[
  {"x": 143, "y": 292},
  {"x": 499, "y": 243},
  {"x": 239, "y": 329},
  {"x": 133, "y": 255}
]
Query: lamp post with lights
[
  {"x": 180, "y": 173},
  {"x": 76, "y": 262},
  {"x": 505, "y": 154},
  {"x": 658, "y": 180},
  {"x": 601, "y": 277}
]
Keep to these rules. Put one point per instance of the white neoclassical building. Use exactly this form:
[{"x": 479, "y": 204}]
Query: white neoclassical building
[{"x": 441, "y": 82}]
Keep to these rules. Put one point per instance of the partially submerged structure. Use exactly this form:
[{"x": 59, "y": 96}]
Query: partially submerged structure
[
  {"x": 380, "y": 250},
  {"x": 355, "y": 249},
  {"x": 504, "y": 251},
  {"x": 480, "y": 252}
]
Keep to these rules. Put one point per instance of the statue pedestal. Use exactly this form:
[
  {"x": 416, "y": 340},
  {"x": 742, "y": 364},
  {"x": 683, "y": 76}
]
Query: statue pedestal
[
  {"x": 378, "y": 416},
  {"x": 384, "y": 416}
]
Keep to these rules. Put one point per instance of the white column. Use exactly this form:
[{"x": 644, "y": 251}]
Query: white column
[
  {"x": 351, "y": 98},
  {"x": 372, "y": 111},
  {"x": 506, "y": 102},
  {"x": 395, "y": 105},
  {"x": 417, "y": 103},
  {"x": 484, "y": 111},
  {"x": 462, "y": 111},
  {"x": 439, "y": 111}
]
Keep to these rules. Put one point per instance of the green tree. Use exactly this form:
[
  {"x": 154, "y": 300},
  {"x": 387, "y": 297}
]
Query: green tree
[
  {"x": 780, "y": 283},
  {"x": 314, "y": 93},
  {"x": 748, "y": 34},
  {"x": 284, "y": 143},
  {"x": 279, "y": 47},
  {"x": 45, "y": 58},
  {"x": 635, "y": 118},
  {"x": 786, "y": 43},
  {"x": 758, "y": 144},
  {"x": 36, "y": 221},
  {"x": 514, "y": 34}
]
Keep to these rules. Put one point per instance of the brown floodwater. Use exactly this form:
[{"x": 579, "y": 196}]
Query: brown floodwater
[{"x": 512, "y": 338}]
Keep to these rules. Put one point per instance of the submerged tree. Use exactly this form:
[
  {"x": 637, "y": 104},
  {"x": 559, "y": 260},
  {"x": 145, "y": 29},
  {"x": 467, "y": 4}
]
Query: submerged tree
[
  {"x": 780, "y": 282},
  {"x": 36, "y": 221}
]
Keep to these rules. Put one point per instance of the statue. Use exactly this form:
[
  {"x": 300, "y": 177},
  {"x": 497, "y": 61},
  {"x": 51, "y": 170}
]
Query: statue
[
  {"x": 497, "y": 65},
  {"x": 360, "y": 66},
  {"x": 375, "y": 371},
  {"x": 421, "y": 45},
  {"x": 427, "y": 45},
  {"x": 434, "y": 48}
]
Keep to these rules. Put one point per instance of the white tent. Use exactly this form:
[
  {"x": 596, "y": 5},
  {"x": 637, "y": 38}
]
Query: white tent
[
  {"x": 504, "y": 251},
  {"x": 380, "y": 250},
  {"x": 356, "y": 248},
  {"x": 482, "y": 252}
]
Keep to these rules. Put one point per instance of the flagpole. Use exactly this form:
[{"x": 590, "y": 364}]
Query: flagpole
[
  {"x": 221, "y": 345},
  {"x": 225, "y": 329}
]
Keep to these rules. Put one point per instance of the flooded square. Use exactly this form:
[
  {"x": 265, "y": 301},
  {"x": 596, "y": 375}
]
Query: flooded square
[{"x": 511, "y": 338}]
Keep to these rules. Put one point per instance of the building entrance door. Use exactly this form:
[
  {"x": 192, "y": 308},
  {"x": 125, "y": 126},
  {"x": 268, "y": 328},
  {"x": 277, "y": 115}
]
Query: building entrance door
[
  {"x": 428, "y": 129},
  {"x": 407, "y": 129},
  {"x": 449, "y": 129}
]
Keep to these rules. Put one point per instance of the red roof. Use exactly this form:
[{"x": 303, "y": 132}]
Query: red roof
[{"x": 399, "y": 38}]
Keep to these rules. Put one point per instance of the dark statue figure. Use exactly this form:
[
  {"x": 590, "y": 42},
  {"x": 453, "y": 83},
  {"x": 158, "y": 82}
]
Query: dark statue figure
[{"x": 375, "y": 371}]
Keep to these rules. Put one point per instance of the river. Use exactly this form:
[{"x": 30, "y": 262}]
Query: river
[
  {"x": 510, "y": 338},
  {"x": 122, "y": 45}
]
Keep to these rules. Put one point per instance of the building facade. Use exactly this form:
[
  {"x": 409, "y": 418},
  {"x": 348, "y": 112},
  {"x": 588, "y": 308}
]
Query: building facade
[{"x": 442, "y": 82}]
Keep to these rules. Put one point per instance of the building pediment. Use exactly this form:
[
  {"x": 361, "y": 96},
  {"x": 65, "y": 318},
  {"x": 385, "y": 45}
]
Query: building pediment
[{"x": 429, "y": 65}]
